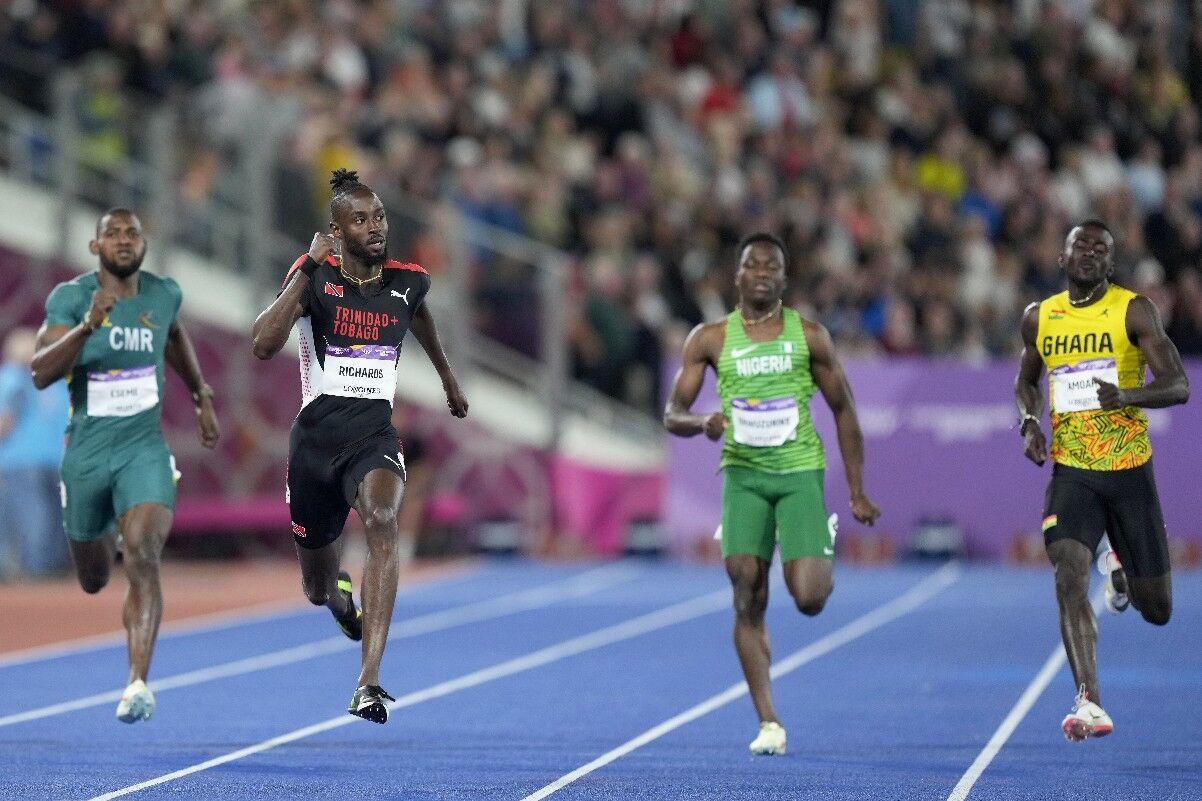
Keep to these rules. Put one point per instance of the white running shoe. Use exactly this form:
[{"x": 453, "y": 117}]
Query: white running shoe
[
  {"x": 1086, "y": 720},
  {"x": 137, "y": 703},
  {"x": 1115, "y": 586},
  {"x": 770, "y": 741}
]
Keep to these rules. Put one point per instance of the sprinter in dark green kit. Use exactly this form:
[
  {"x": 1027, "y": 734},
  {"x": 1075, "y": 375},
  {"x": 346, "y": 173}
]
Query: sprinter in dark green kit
[
  {"x": 109, "y": 334},
  {"x": 770, "y": 362}
]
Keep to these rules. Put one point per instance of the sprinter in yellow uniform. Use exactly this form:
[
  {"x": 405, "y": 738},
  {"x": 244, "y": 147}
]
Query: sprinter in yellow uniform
[{"x": 1095, "y": 341}]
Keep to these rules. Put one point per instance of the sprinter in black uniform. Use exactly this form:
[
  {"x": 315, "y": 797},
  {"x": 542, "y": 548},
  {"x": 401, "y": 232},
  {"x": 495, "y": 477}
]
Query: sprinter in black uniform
[{"x": 352, "y": 306}]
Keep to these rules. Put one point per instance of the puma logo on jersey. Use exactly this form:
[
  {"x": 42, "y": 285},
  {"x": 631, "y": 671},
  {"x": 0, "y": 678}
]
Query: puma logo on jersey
[
  {"x": 404, "y": 297},
  {"x": 139, "y": 340}
]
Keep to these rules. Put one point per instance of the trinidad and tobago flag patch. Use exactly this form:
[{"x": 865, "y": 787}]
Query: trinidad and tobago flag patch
[
  {"x": 334, "y": 289},
  {"x": 297, "y": 528}
]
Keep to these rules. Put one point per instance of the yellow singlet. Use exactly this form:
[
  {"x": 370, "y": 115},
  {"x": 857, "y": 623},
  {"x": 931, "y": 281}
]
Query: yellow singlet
[{"x": 1077, "y": 345}]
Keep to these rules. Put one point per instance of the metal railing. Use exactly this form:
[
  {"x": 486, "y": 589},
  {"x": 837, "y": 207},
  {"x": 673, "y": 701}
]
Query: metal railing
[{"x": 237, "y": 230}]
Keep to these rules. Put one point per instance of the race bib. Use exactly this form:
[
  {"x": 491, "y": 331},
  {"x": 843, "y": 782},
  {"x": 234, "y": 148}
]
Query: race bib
[
  {"x": 365, "y": 371},
  {"x": 122, "y": 393},
  {"x": 764, "y": 423},
  {"x": 1073, "y": 387}
]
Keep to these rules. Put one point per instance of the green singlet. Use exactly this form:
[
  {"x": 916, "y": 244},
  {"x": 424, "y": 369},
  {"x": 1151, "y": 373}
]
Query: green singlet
[
  {"x": 115, "y": 456},
  {"x": 772, "y": 458}
]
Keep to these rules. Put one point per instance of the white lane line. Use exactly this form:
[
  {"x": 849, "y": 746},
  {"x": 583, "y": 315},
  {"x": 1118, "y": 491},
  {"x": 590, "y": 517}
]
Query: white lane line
[
  {"x": 525, "y": 600},
  {"x": 907, "y": 602},
  {"x": 1025, "y": 701},
  {"x": 643, "y": 624},
  {"x": 196, "y": 624}
]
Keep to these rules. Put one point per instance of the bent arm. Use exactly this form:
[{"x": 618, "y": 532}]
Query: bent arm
[
  {"x": 678, "y": 418},
  {"x": 832, "y": 383},
  {"x": 1169, "y": 385},
  {"x": 181, "y": 355},
  {"x": 1028, "y": 393},
  {"x": 426, "y": 333},
  {"x": 58, "y": 348},
  {"x": 270, "y": 331}
]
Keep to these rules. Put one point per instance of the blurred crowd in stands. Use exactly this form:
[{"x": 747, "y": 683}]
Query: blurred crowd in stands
[{"x": 922, "y": 159}]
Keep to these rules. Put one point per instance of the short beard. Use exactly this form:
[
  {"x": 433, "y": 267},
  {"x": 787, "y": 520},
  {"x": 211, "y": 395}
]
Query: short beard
[
  {"x": 122, "y": 272},
  {"x": 365, "y": 257}
]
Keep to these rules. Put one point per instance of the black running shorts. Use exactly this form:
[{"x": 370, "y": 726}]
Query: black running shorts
[
  {"x": 1084, "y": 504},
  {"x": 323, "y": 484}
]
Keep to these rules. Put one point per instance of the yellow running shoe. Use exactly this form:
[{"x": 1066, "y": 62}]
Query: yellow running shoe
[{"x": 352, "y": 624}]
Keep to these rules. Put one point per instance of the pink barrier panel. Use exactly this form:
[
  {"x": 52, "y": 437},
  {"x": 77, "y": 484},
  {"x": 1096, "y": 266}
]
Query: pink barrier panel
[{"x": 597, "y": 506}]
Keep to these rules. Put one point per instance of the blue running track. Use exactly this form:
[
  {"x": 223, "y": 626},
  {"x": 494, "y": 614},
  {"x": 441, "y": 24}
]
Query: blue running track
[{"x": 559, "y": 665}]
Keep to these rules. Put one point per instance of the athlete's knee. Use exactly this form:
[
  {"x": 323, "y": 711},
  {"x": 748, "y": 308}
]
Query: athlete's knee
[
  {"x": 316, "y": 591},
  {"x": 381, "y": 519},
  {"x": 810, "y": 603},
  {"x": 751, "y": 602},
  {"x": 1072, "y": 579},
  {"x": 92, "y": 582},
  {"x": 1157, "y": 614},
  {"x": 1156, "y": 611},
  {"x": 141, "y": 559}
]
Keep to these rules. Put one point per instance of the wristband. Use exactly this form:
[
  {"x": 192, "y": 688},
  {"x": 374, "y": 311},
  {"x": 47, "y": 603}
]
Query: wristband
[
  {"x": 308, "y": 266},
  {"x": 1027, "y": 418}
]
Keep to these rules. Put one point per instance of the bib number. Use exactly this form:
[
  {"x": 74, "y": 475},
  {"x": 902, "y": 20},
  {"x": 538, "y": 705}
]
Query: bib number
[
  {"x": 122, "y": 393},
  {"x": 1073, "y": 387},
  {"x": 764, "y": 423},
  {"x": 365, "y": 371}
]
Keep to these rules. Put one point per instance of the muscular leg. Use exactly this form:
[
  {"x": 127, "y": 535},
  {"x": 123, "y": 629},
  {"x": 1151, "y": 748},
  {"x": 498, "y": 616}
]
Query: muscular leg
[
  {"x": 378, "y": 501},
  {"x": 1153, "y": 597},
  {"x": 1071, "y": 561},
  {"x": 749, "y": 579},
  {"x": 92, "y": 562},
  {"x": 319, "y": 577},
  {"x": 810, "y": 580},
  {"x": 144, "y": 529}
]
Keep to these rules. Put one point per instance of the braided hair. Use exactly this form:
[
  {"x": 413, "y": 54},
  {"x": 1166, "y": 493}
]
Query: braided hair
[{"x": 343, "y": 184}]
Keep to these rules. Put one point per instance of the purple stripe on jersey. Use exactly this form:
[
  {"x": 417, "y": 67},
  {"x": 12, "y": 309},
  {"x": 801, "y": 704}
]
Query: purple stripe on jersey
[
  {"x": 382, "y": 352},
  {"x": 1081, "y": 367},
  {"x": 122, "y": 375},
  {"x": 763, "y": 405}
]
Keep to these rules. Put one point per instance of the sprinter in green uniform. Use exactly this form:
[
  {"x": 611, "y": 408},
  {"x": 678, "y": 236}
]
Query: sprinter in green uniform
[
  {"x": 108, "y": 333},
  {"x": 769, "y": 362}
]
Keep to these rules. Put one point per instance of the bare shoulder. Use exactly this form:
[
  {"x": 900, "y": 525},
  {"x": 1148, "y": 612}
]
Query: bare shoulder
[
  {"x": 1029, "y": 325},
  {"x": 705, "y": 341},
  {"x": 818, "y": 339},
  {"x": 1143, "y": 317}
]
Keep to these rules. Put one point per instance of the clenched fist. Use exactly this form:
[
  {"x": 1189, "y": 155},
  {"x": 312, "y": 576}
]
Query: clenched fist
[
  {"x": 102, "y": 304},
  {"x": 322, "y": 247}
]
